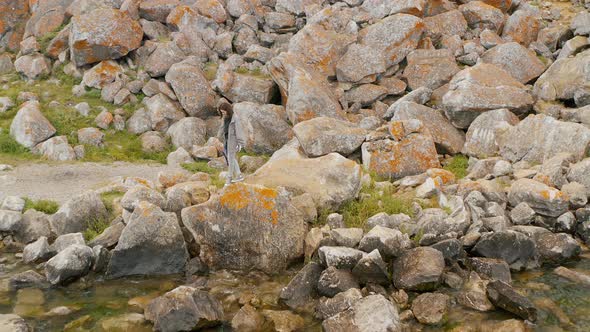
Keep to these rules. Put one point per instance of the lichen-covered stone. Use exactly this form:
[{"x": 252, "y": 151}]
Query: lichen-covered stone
[
  {"x": 247, "y": 227},
  {"x": 103, "y": 34}
]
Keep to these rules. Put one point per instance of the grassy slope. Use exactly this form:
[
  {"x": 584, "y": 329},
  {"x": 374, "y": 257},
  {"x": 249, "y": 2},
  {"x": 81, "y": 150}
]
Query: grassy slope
[{"x": 119, "y": 146}]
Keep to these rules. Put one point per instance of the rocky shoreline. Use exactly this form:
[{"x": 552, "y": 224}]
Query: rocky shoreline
[{"x": 407, "y": 163}]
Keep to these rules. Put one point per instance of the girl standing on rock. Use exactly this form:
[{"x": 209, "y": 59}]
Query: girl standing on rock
[{"x": 232, "y": 143}]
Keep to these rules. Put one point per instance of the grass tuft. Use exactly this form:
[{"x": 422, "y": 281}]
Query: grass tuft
[
  {"x": 95, "y": 228},
  {"x": 43, "y": 205},
  {"x": 458, "y": 166},
  {"x": 201, "y": 166},
  {"x": 374, "y": 201}
]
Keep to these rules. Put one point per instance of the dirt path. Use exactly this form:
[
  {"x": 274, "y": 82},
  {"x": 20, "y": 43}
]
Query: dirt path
[{"x": 59, "y": 182}]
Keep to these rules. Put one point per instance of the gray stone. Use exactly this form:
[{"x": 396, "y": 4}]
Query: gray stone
[
  {"x": 66, "y": 240},
  {"x": 541, "y": 198},
  {"x": 333, "y": 281},
  {"x": 540, "y": 137},
  {"x": 33, "y": 225},
  {"x": 347, "y": 237},
  {"x": 162, "y": 112},
  {"x": 263, "y": 128},
  {"x": 328, "y": 307},
  {"x": 431, "y": 308},
  {"x": 151, "y": 244},
  {"x": 372, "y": 269},
  {"x": 26, "y": 279},
  {"x": 473, "y": 295},
  {"x": 418, "y": 269},
  {"x": 447, "y": 138},
  {"x": 340, "y": 257},
  {"x": 33, "y": 66},
  {"x": 75, "y": 214},
  {"x": 517, "y": 249},
  {"x": 184, "y": 308},
  {"x": 389, "y": 242},
  {"x": 13, "y": 323},
  {"x": 69, "y": 264},
  {"x": 10, "y": 221},
  {"x": 56, "y": 148},
  {"x": 320, "y": 136},
  {"x": 578, "y": 172},
  {"x": 37, "y": 251},
  {"x": 372, "y": 313},
  {"x": 29, "y": 127},
  {"x": 247, "y": 227},
  {"x": 110, "y": 236},
  {"x": 188, "y": 132},
  {"x": 483, "y": 88},
  {"x": 563, "y": 78},
  {"x": 557, "y": 247},
  {"x": 522, "y": 214},
  {"x": 192, "y": 88},
  {"x": 430, "y": 68},
  {"x": 331, "y": 180},
  {"x": 302, "y": 289},
  {"x": 517, "y": 60},
  {"x": 505, "y": 297}
]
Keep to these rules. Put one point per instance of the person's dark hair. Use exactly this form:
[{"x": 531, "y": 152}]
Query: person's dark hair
[{"x": 227, "y": 108}]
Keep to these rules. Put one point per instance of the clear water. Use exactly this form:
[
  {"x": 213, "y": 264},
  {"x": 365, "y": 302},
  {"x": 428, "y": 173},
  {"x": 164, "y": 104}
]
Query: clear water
[{"x": 95, "y": 300}]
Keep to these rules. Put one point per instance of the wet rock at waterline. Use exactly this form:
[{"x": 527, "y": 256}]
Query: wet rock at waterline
[{"x": 151, "y": 244}]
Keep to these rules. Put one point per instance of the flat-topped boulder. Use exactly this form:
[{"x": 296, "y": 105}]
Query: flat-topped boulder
[{"x": 481, "y": 88}]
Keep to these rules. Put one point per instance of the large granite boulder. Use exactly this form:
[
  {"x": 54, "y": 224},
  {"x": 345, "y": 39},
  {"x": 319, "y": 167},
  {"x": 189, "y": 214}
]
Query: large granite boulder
[
  {"x": 482, "y": 88},
  {"x": 447, "y": 138},
  {"x": 263, "y": 127},
  {"x": 29, "y": 126},
  {"x": 151, "y": 244},
  {"x": 103, "y": 34},
  {"x": 247, "y": 227},
  {"x": 47, "y": 16},
  {"x": 321, "y": 136},
  {"x": 540, "y": 197},
  {"x": 430, "y": 68},
  {"x": 73, "y": 262},
  {"x": 539, "y": 138},
  {"x": 393, "y": 37},
  {"x": 188, "y": 132},
  {"x": 517, "y": 249},
  {"x": 564, "y": 78},
  {"x": 331, "y": 180},
  {"x": 192, "y": 89},
  {"x": 401, "y": 149},
  {"x": 520, "y": 62},
  {"x": 306, "y": 93},
  {"x": 483, "y": 135}
]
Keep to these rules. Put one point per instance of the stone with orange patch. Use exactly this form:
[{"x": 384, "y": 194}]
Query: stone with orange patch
[
  {"x": 523, "y": 27},
  {"x": 247, "y": 227},
  {"x": 102, "y": 74},
  {"x": 13, "y": 16},
  {"x": 412, "y": 155},
  {"x": 545, "y": 200},
  {"x": 103, "y": 34}
]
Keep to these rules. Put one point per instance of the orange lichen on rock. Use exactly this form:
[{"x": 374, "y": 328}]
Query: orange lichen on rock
[
  {"x": 176, "y": 15},
  {"x": 446, "y": 176},
  {"x": 259, "y": 201}
]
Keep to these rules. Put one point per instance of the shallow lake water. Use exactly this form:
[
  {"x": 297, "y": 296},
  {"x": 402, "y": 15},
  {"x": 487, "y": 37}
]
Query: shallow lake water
[{"x": 564, "y": 305}]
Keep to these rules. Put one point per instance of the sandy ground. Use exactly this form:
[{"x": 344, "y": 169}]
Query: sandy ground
[{"x": 59, "y": 182}]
